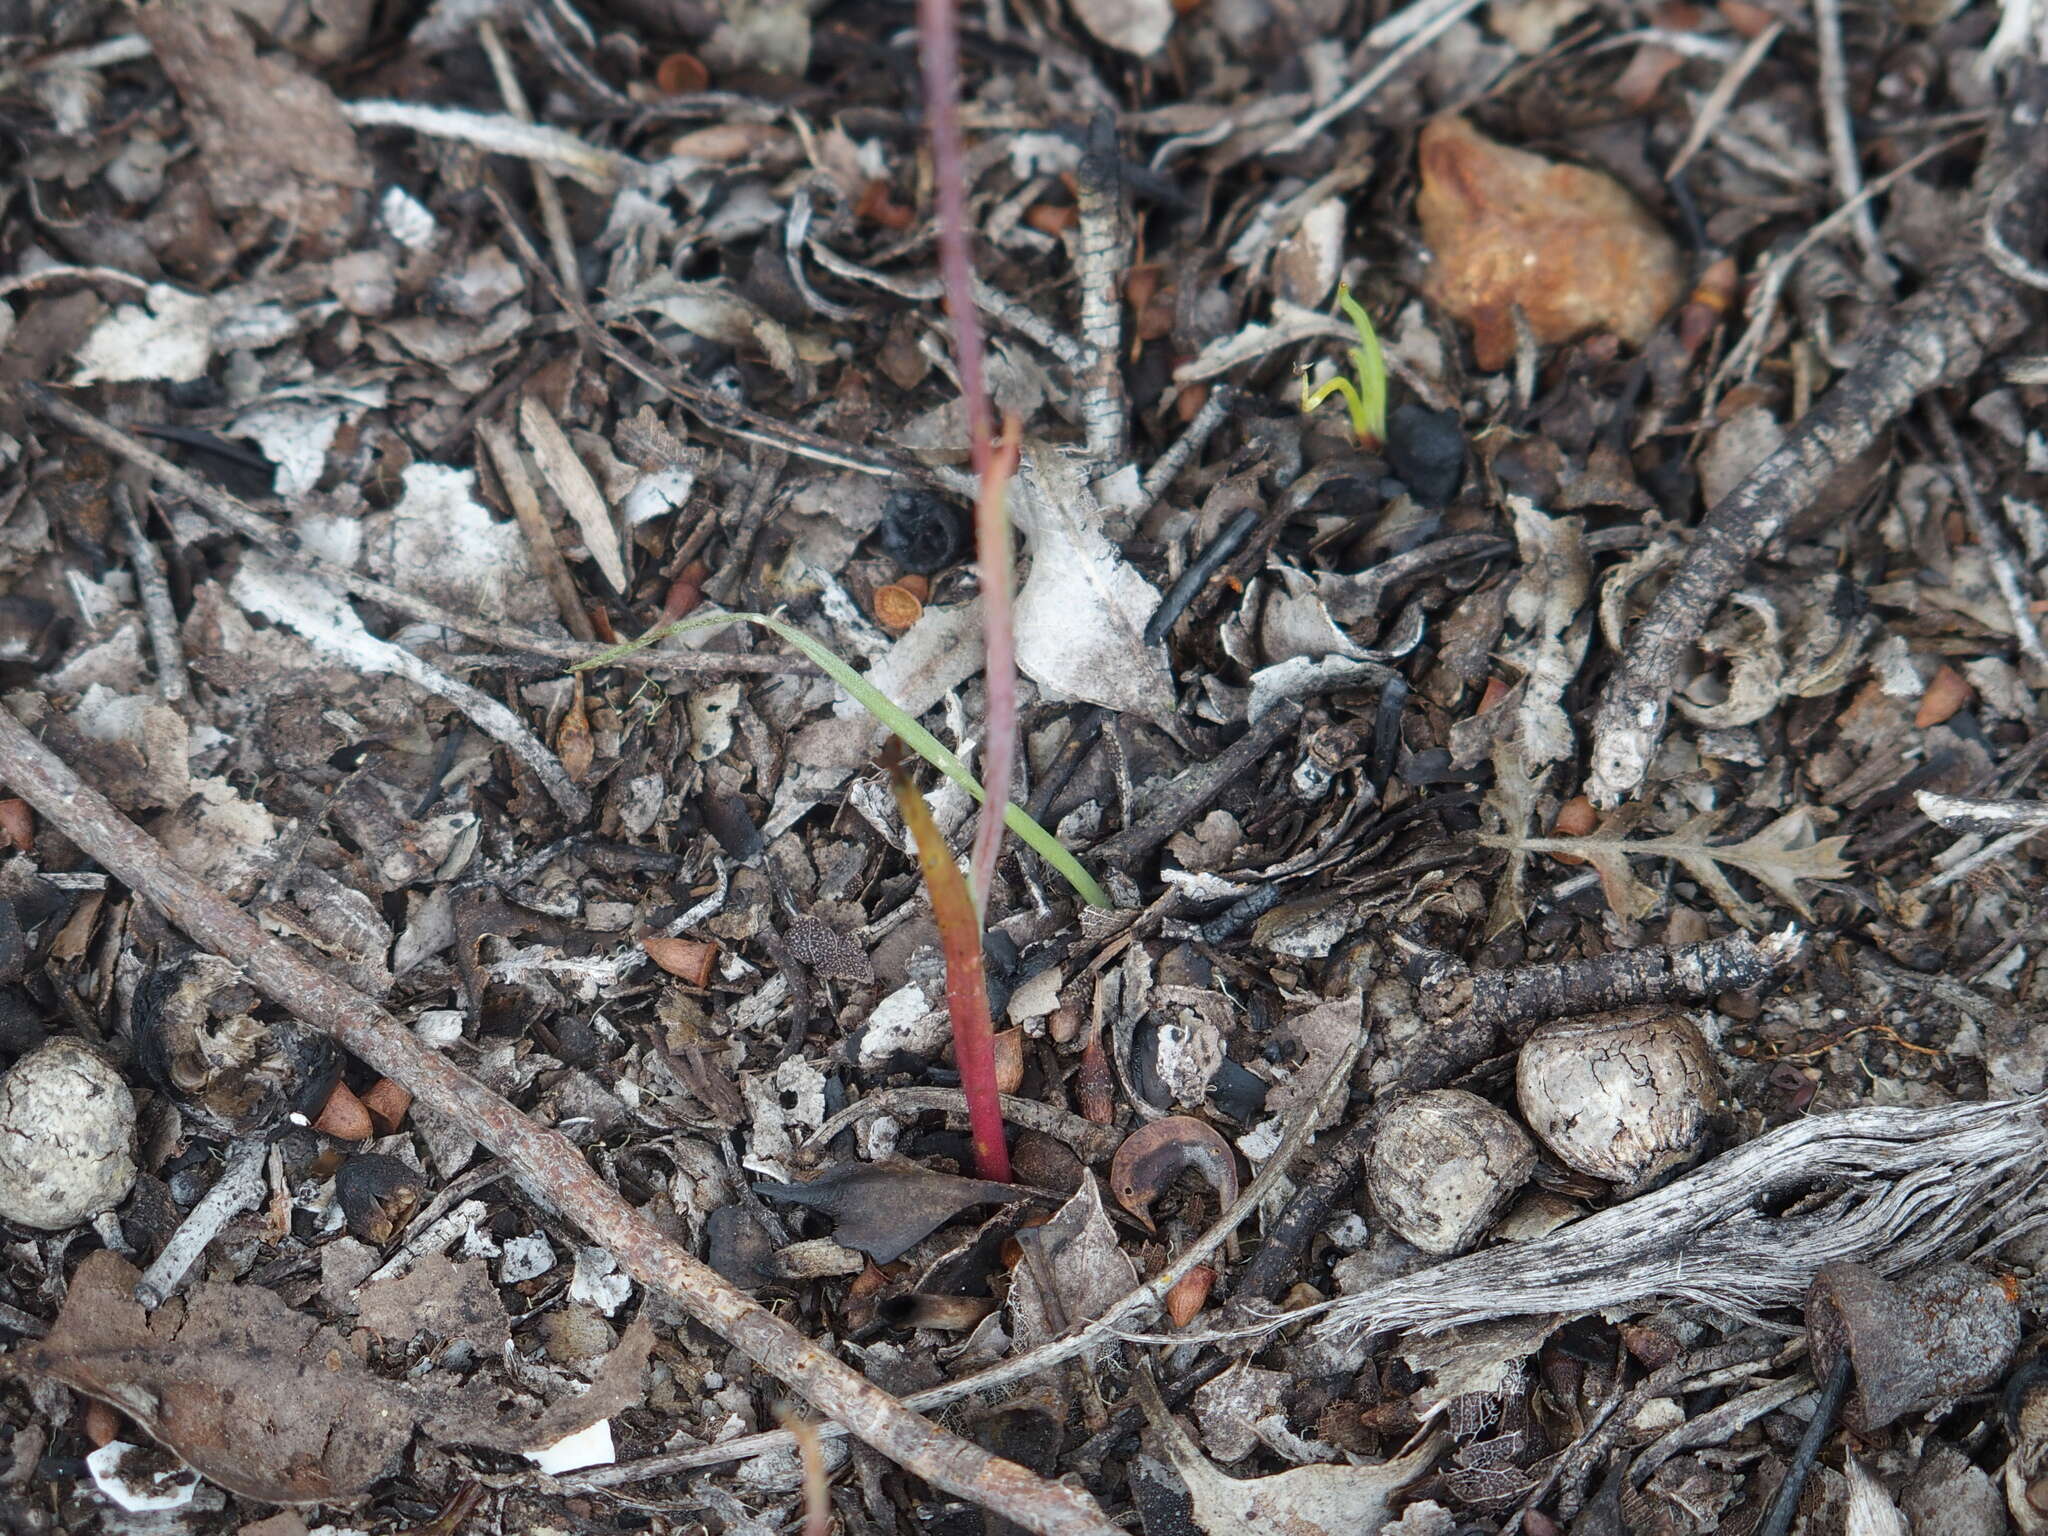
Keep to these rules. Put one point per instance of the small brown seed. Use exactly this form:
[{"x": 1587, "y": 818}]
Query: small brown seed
[
  {"x": 343, "y": 1116},
  {"x": 1009, "y": 1053},
  {"x": 681, "y": 74},
  {"x": 1947, "y": 692},
  {"x": 387, "y": 1103},
  {"x": 101, "y": 1423},
  {"x": 897, "y": 607},
  {"x": 1188, "y": 1295}
]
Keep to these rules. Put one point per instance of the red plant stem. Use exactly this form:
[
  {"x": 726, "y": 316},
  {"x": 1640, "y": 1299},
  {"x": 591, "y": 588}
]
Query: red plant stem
[
  {"x": 999, "y": 664},
  {"x": 939, "y": 53},
  {"x": 974, "y": 1049}
]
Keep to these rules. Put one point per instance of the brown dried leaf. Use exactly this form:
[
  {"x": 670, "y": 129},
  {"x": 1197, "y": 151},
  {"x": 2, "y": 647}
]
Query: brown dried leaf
[
  {"x": 1571, "y": 246},
  {"x": 269, "y": 136},
  {"x": 1073, "y": 1271},
  {"x": 439, "y": 1296},
  {"x": 254, "y": 1396},
  {"x": 886, "y": 1211},
  {"x": 462, "y": 1415}
]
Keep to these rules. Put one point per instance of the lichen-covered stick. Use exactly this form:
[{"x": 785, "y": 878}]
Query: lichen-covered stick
[{"x": 545, "y": 1159}]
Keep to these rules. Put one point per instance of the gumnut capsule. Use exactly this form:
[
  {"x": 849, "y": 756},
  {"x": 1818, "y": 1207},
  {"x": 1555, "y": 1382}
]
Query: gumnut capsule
[
  {"x": 1443, "y": 1165},
  {"x": 1626, "y": 1097},
  {"x": 67, "y": 1125}
]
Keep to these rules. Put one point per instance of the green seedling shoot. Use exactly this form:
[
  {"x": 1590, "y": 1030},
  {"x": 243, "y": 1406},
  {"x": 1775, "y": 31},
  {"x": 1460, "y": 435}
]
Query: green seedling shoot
[{"x": 1367, "y": 399}]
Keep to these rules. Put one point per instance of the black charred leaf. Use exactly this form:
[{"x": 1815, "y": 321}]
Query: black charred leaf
[
  {"x": 1238, "y": 1093},
  {"x": 921, "y": 533},
  {"x": 738, "y": 1246},
  {"x": 885, "y": 1212},
  {"x": 1426, "y": 450}
]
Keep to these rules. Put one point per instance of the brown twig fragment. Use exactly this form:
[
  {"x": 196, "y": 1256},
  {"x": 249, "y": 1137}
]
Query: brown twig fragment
[
  {"x": 1940, "y": 335},
  {"x": 546, "y": 1160}
]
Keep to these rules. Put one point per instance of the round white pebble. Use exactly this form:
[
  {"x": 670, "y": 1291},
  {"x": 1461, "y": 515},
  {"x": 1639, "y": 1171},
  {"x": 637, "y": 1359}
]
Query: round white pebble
[{"x": 67, "y": 1129}]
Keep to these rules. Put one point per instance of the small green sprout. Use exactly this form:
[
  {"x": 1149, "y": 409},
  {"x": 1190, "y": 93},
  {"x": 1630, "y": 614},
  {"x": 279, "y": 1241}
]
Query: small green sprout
[{"x": 1367, "y": 399}]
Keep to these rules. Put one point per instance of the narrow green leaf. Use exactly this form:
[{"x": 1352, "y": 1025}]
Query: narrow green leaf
[{"x": 885, "y": 710}]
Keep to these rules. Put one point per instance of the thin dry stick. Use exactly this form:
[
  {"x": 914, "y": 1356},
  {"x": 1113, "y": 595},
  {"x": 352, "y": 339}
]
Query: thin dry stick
[
  {"x": 1722, "y": 96},
  {"x": 1145, "y": 1299},
  {"x": 1998, "y": 550},
  {"x": 152, "y": 585},
  {"x": 546, "y": 1160},
  {"x": 233, "y": 513},
  {"x": 554, "y": 217},
  {"x": 1841, "y": 136},
  {"x": 1356, "y": 96},
  {"x": 540, "y": 538}
]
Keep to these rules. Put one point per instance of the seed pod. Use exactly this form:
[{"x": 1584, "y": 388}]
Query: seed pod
[
  {"x": 1185, "y": 1300},
  {"x": 67, "y": 1124},
  {"x": 377, "y": 1195},
  {"x": 1443, "y": 1165},
  {"x": 197, "y": 1034},
  {"x": 1621, "y": 1096}
]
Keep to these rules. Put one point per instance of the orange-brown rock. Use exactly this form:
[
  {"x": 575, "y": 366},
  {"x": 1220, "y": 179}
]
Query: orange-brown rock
[{"x": 1571, "y": 246}]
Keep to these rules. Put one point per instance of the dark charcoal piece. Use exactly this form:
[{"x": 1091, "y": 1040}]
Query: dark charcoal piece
[
  {"x": 1427, "y": 452},
  {"x": 923, "y": 534}
]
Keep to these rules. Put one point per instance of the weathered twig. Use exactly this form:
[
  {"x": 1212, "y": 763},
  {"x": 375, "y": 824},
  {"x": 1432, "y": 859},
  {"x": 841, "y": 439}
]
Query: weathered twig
[
  {"x": 1196, "y": 790},
  {"x": 1101, "y": 255},
  {"x": 153, "y": 586},
  {"x": 237, "y": 1189},
  {"x": 1991, "y": 537},
  {"x": 1940, "y": 335},
  {"x": 1906, "y": 1187},
  {"x": 547, "y": 1161},
  {"x": 1476, "y": 1015},
  {"x": 234, "y": 514},
  {"x": 1181, "y": 452},
  {"x": 540, "y": 538},
  {"x": 1841, "y": 137}
]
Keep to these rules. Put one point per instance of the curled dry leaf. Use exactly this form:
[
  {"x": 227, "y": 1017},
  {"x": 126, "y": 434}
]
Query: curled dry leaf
[
  {"x": 258, "y": 1398},
  {"x": 1082, "y": 610},
  {"x": 1073, "y": 1269},
  {"x": 886, "y": 1211},
  {"x": 1572, "y": 247},
  {"x": 1154, "y": 1155},
  {"x": 1333, "y": 1500}
]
